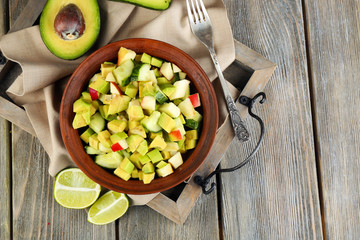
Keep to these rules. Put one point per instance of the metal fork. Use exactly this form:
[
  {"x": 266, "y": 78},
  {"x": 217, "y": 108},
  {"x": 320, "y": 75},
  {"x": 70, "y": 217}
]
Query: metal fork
[{"x": 202, "y": 28}]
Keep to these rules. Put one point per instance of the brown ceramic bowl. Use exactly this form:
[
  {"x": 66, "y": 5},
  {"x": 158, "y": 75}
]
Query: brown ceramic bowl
[{"x": 78, "y": 83}]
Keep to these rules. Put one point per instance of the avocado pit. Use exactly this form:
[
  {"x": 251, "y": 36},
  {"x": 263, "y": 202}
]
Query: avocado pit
[{"x": 69, "y": 23}]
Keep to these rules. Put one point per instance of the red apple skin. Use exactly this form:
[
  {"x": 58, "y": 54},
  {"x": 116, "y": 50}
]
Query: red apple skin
[
  {"x": 195, "y": 100},
  {"x": 176, "y": 135},
  {"x": 117, "y": 88},
  {"x": 94, "y": 94},
  {"x": 116, "y": 147}
]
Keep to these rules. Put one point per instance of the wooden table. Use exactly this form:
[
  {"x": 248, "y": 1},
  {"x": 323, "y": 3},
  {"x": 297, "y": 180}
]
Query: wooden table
[{"x": 304, "y": 182}]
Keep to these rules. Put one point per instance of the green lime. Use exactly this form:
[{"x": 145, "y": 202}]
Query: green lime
[
  {"x": 108, "y": 208},
  {"x": 73, "y": 189}
]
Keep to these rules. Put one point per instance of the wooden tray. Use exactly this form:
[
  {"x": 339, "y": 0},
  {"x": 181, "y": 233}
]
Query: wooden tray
[{"x": 249, "y": 73}]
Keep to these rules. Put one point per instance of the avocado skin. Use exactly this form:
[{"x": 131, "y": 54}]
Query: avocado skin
[
  {"x": 65, "y": 49},
  {"x": 159, "y": 5}
]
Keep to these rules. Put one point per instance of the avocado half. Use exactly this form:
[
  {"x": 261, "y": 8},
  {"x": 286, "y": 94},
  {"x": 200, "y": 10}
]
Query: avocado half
[{"x": 70, "y": 27}]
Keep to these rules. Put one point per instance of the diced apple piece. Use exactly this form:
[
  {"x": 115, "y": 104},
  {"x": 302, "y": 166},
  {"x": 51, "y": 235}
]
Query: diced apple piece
[
  {"x": 125, "y": 54},
  {"x": 175, "y": 68},
  {"x": 195, "y": 100},
  {"x": 165, "y": 171},
  {"x": 175, "y": 135},
  {"x": 114, "y": 88},
  {"x": 110, "y": 77},
  {"x": 166, "y": 70},
  {"x": 94, "y": 94},
  {"x": 148, "y": 102},
  {"x": 187, "y": 108},
  {"x": 171, "y": 146},
  {"x": 181, "y": 87},
  {"x": 176, "y": 160}
]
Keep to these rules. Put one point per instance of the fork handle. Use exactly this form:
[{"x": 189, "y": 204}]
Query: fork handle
[{"x": 239, "y": 128}]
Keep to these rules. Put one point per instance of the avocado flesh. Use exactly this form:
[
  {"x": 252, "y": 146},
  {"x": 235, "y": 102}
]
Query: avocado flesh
[
  {"x": 152, "y": 4},
  {"x": 69, "y": 49}
]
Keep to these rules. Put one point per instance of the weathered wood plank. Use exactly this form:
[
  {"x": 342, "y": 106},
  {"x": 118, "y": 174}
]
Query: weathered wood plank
[
  {"x": 144, "y": 223},
  {"x": 276, "y": 195},
  {"x": 5, "y": 169},
  {"x": 5, "y": 180},
  {"x": 334, "y": 40},
  {"x": 35, "y": 212}
]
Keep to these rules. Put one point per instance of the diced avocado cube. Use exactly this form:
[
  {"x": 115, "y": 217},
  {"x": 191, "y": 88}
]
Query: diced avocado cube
[
  {"x": 161, "y": 164},
  {"x": 166, "y": 122},
  {"x": 143, "y": 147},
  {"x": 153, "y": 135},
  {"x": 94, "y": 141},
  {"x": 104, "y": 138},
  {"x": 135, "y": 113},
  {"x": 145, "y": 58},
  {"x": 79, "y": 121},
  {"x": 141, "y": 174},
  {"x": 117, "y": 125},
  {"x": 86, "y": 135},
  {"x": 100, "y": 85},
  {"x": 166, "y": 155},
  {"x": 106, "y": 68},
  {"x": 144, "y": 159},
  {"x": 158, "y": 143},
  {"x": 138, "y": 130},
  {"x": 86, "y": 97},
  {"x": 148, "y": 177},
  {"x": 155, "y": 155},
  {"x": 135, "y": 159},
  {"x": 134, "y": 141},
  {"x": 135, "y": 173},
  {"x": 190, "y": 144},
  {"x": 118, "y": 104},
  {"x": 118, "y": 137},
  {"x": 122, "y": 174},
  {"x": 191, "y": 134},
  {"x": 148, "y": 168},
  {"x": 131, "y": 90},
  {"x": 127, "y": 166},
  {"x": 156, "y": 62},
  {"x": 168, "y": 89},
  {"x": 80, "y": 106}
]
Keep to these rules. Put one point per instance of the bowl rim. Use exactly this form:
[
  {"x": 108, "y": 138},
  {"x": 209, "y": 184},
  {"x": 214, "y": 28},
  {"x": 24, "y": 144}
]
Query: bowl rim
[{"x": 197, "y": 157}]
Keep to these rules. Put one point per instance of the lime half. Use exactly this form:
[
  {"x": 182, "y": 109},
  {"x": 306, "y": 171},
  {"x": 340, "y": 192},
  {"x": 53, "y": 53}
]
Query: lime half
[
  {"x": 108, "y": 208},
  {"x": 73, "y": 189}
]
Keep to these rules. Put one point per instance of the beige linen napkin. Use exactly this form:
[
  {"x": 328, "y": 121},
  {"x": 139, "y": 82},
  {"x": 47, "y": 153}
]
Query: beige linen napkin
[{"x": 39, "y": 88}]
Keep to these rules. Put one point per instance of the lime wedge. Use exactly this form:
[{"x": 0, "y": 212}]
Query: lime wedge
[
  {"x": 108, "y": 208},
  {"x": 73, "y": 189}
]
